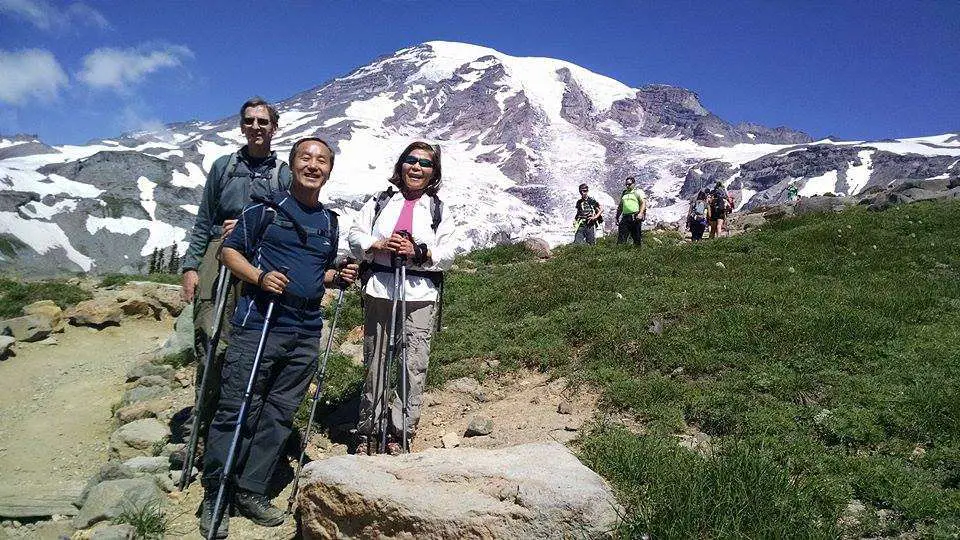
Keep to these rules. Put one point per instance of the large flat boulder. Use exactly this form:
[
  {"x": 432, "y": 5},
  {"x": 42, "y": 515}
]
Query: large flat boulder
[
  {"x": 98, "y": 312},
  {"x": 27, "y": 328},
  {"x": 107, "y": 500},
  {"x": 529, "y": 491},
  {"x": 138, "y": 438}
]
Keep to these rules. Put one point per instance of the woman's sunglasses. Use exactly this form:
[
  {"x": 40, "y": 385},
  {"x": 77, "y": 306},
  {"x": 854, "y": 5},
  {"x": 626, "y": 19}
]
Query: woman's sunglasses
[{"x": 424, "y": 162}]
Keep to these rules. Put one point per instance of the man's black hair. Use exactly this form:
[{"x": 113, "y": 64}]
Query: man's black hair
[
  {"x": 582, "y": 187},
  {"x": 293, "y": 150}
]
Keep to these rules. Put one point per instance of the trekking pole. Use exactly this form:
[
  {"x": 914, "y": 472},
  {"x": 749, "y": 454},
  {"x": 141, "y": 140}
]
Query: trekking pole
[
  {"x": 223, "y": 288},
  {"x": 397, "y": 263},
  {"x": 241, "y": 419},
  {"x": 321, "y": 376},
  {"x": 405, "y": 413}
]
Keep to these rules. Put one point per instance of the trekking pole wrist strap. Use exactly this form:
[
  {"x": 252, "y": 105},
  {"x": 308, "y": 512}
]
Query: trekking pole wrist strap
[{"x": 263, "y": 274}]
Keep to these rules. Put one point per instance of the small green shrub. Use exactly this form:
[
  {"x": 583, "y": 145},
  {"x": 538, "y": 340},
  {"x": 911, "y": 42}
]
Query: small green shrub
[
  {"x": 149, "y": 520},
  {"x": 14, "y": 295}
]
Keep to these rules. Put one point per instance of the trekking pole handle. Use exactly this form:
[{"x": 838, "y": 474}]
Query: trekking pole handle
[
  {"x": 338, "y": 282},
  {"x": 397, "y": 260}
]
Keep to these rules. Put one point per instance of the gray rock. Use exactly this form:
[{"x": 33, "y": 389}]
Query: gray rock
[
  {"x": 450, "y": 440},
  {"x": 181, "y": 340},
  {"x": 152, "y": 380},
  {"x": 148, "y": 464},
  {"x": 107, "y": 500},
  {"x": 143, "y": 393},
  {"x": 479, "y": 426},
  {"x": 147, "y": 369},
  {"x": 530, "y": 491},
  {"x": 6, "y": 346},
  {"x": 27, "y": 328},
  {"x": 114, "y": 532},
  {"x": 142, "y": 409},
  {"x": 538, "y": 247},
  {"x": 565, "y": 407},
  {"x": 138, "y": 438}
]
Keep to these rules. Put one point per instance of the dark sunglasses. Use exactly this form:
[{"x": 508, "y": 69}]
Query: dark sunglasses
[
  {"x": 583, "y": 191},
  {"x": 424, "y": 162},
  {"x": 248, "y": 121}
]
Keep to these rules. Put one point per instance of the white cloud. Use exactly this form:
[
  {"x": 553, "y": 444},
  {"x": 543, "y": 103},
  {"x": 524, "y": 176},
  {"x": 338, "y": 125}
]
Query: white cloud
[
  {"x": 45, "y": 16},
  {"x": 29, "y": 73},
  {"x": 118, "y": 69}
]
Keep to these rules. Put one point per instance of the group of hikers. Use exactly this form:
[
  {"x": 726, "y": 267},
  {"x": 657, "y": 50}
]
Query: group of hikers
[
  {"x": 707, "y": 207},
  {"x": 264, "y": 249},
  {"x": 631, "y": 211}
]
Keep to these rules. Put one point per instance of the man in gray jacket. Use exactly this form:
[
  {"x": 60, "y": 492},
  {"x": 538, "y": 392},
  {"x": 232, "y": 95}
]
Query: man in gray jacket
[{"x": 233, "y": 179}]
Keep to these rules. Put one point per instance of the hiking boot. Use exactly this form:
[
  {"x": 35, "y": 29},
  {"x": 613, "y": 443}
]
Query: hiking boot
[
  {"x": 257, "y": 508},
  {"x": 206, "y": 515},
  {"x": 361, "y": 446},
  {"x": 394, "y": 448}
]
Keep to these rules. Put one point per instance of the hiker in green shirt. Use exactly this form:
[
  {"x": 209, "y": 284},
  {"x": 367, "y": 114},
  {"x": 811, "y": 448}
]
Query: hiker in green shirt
[{"x": 630, "y": 213}]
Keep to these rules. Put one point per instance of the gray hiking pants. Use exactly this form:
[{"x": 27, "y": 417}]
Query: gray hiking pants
[
  {"x": 288, "y": 364},
  {"x": 586, "y": 234},
  {"x": 376, "y": 330},
  {"x": 204, "y": 312}
]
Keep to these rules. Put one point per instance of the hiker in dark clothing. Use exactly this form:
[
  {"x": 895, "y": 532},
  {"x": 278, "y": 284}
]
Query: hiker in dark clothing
[
  {"x": 233, "y": 179},
  {"x": 587, "y": 218},
  {"x": 291, "y": 229},
  {"x": 697, "y": 216},
  {"x": 717, "y": 209},
  {"x": 630, "y": 213},
  {"x": 428, "y": 249}
]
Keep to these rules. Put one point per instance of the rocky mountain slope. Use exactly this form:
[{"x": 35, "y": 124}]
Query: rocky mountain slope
[{"x": 518, "y": 135}]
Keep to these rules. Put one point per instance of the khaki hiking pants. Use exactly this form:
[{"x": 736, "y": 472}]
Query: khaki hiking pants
[
  {"x": 376, "y": 330},
  {"x": 204, "y": 312}
]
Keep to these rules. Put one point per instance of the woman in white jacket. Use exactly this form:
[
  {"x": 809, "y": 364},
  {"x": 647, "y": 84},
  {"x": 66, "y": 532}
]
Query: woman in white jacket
[{"x": 401, "y": 222}]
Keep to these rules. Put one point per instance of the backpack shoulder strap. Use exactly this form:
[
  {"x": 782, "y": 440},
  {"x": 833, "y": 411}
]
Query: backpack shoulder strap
[
  {"x": 382, "y": 199},
  {"x": 227, "y": 175},
  {"x": 436, "y": 211},
  {"x": 275, "y": 177}
]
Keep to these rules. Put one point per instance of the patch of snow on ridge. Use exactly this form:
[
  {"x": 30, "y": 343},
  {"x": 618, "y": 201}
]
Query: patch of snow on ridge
[
  {"x": 211, "y": 151},
  {"x": 826, "y": 183},
  {"x": 858, "y": 176},
  {"x": 146, "y": 195},
  {"x": 38, "y": 210},
  {"x": 191, "y": 208},
  {"x": 42, "y": 236},
  {"x": 162, "y": 235},
  {"x": 193, "y": 178},
  {"x": 373, "y": 111},
  {"x": 54, "y": 184}
]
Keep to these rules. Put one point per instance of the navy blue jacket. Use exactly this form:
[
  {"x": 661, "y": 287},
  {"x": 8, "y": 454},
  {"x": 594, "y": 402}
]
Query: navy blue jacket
[{"x": 268, "y": 239}]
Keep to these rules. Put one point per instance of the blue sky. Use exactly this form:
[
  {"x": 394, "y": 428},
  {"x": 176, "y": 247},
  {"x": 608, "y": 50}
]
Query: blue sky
[{"x": 73, "y": 71}]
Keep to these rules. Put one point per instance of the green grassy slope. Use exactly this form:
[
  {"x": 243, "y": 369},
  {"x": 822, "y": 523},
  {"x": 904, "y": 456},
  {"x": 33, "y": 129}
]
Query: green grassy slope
[{"x": 822, "y": 356}]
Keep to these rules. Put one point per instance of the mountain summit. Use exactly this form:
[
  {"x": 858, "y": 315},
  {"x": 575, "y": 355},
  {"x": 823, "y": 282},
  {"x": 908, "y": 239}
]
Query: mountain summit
[{"x": 518, "y": 135}]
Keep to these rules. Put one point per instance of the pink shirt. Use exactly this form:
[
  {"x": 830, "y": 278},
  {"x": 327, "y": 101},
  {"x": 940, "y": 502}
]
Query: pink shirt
[{"x": 405, "y": 221}]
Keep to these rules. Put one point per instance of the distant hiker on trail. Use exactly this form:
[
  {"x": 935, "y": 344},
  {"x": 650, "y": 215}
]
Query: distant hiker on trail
[
  {"x": 406, "y": 243},
  {"x": 588, "y": 218},
  {"x": 283, "y": 249},
  {"x": 718, "y": 209},
  {"x": 252, "y": 170},
  {"x": 793, "y": 193},
  {"x": 630, "y": 213},
  {"x": 697, "y": 216}
]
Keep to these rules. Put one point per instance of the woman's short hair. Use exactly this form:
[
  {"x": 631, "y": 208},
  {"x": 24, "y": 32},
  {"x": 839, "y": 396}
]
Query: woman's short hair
[{"x": 434, "y": 150}]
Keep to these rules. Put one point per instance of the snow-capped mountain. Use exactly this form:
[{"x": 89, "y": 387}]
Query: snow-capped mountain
[{"x": 518, "y": 135}]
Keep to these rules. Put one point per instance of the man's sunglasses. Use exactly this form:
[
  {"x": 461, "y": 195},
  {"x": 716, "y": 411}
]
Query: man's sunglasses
[
  {"x": 583, "y": 191},
  {"x": 424, "y": 162},
  {"x": 247, "y": 121}
]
